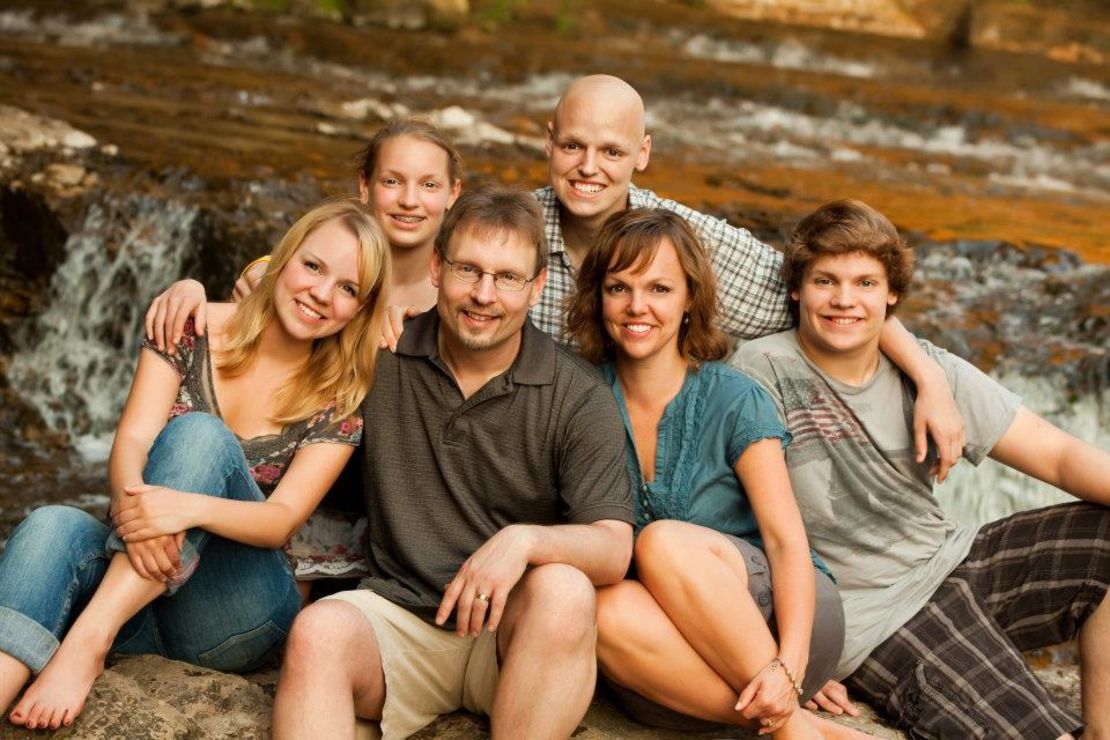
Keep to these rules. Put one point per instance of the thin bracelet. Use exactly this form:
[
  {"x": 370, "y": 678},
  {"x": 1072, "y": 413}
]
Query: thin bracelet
[
  {"x": 264, "y": 260},
  {"x": 789, "y": 675}
]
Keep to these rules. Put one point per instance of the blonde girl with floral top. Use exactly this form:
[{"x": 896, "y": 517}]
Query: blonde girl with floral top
[{"x": 225, "y": 446}]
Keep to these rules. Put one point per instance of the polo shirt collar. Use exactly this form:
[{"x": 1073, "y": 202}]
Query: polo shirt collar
[{"x": 534, "y": 363}]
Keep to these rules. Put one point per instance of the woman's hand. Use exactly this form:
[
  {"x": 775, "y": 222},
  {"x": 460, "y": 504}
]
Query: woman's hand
[
  {"x": 769, "y": 698},
  {"x": 151, "y": 511},
  {"x": 250, "y": 279},
  {"x": 168, "y": 312},
  {"x": 158, "y": 558},
  {"x": 394, "y": 325}
]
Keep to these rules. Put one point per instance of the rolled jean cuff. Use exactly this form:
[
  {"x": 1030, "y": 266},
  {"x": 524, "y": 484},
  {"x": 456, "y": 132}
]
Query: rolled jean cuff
[
  {"x": 190, "y": 559},
  {"x": 26, "y": 640}
]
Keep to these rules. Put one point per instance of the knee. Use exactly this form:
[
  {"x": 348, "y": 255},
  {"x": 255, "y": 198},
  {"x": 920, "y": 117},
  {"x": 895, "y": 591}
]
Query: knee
[
  {"x": 321, "y": 633},
  {"x": 196, "y": 436},
  {"x": 560, "y": 602},
  {"x": 660, "y": 540},
  {"x": 52, "y": 529}
]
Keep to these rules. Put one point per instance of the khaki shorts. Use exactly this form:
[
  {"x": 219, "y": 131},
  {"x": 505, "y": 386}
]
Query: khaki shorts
[{"x": 429, "y": 671}]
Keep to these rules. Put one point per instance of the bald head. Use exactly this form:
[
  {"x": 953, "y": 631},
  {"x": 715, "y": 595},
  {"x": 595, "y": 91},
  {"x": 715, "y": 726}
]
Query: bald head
[
  {"x": 607, "y": 95},
  {"x": 594, "y": 144}
]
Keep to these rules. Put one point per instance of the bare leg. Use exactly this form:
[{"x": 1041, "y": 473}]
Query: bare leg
[
  {"x": 707, "y": 599},
  {"x": 641, "y": 649},
  {"x": 58, "y": 695},
  {"x": 546, "y": 640},
  {"x": 13, "y": 677},
  {"x": 1094, "y": 651},
  {"x": 332, "y": 672}
]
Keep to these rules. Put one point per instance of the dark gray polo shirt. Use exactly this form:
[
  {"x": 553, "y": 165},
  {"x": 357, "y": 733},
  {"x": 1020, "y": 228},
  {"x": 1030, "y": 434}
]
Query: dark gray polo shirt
[{"x": 542, "y": 443}]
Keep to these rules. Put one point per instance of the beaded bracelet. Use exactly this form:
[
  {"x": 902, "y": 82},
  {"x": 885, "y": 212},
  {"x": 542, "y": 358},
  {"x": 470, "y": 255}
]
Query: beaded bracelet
[
  {"x": 789, "y": 675},
  {"x": 250, "y": 265}
]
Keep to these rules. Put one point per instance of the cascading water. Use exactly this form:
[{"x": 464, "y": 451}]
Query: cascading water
[{"x": 75, "y": 362}]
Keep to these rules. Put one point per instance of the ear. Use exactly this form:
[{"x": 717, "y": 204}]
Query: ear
[
  {"x": 456, "y": 188},
  {"x": 549, "y": 144},
  {"x": 537, "y": 287},
  {"x": 436, "y": 266},
  {"x": 363, "y": 189},
  {"x": 644, "y": 154},
  {"x": 892, "y": 298},
  {"x": 795, "y": 296}
]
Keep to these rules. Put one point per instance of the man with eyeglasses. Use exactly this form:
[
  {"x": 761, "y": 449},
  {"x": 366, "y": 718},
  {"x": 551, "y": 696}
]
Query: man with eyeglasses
[{"x": 498, "y": 497}]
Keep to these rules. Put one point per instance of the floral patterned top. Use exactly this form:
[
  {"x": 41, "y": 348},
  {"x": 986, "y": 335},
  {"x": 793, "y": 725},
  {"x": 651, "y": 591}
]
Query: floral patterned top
[{"x": 321, "y": 546}]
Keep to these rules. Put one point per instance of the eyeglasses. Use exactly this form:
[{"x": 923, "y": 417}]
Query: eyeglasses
[{"x": 506, "y": 282}]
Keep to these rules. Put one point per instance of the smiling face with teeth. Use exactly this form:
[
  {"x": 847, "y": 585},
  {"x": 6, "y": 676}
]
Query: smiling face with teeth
[
  {"x": 643, "y": 305},
  {"x": 594, "y": 144},
  {"x": 409, "y": 190},
  {"x": 843, "y": 301},
  {"x": 477, "y": 317},
  {"x": 317, "y": 292}
]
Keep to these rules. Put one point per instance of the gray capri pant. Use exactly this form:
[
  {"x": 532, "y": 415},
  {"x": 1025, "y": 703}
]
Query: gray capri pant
[{"x": 825, "y": 645}]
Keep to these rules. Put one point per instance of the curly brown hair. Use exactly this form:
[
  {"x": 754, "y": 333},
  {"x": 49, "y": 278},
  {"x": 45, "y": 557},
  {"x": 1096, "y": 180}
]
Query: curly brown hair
[
  {"x": 845, "y": 227},
  {"x": 631, "y": 238}
]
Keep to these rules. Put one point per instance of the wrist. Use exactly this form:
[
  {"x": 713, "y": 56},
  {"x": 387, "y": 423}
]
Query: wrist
[
  {"x": 792, "y": 673},
  {"x": 526, "y": 536}
]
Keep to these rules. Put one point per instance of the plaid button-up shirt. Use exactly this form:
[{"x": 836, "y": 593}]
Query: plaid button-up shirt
[{"x": 750, "y": 291}]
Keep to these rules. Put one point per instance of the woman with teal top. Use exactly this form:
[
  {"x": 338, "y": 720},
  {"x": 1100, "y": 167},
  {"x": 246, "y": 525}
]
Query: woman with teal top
[{"x": 727, "y": 620}]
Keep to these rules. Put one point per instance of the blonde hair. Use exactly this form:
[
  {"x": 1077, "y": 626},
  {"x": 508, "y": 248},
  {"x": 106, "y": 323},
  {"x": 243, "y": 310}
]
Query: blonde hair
[{"x": 340, "y": 368}]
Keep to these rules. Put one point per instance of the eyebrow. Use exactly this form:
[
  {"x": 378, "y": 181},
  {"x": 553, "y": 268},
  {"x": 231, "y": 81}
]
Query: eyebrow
[
  {"x": 427, "y": 176},
  {"x": 859, "y": 276}
]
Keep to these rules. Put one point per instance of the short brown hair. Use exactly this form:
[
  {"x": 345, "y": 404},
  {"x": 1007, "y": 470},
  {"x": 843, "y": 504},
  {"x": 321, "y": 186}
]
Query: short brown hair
[
  {"x": 416, "y": 128},
  {"x": 845, "y": 227},
  {"x": 496, "y": 209},
  {"x": 631, "y": 238}
]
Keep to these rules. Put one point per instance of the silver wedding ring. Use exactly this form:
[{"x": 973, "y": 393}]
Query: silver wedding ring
[{"x": 482, "y": 597}]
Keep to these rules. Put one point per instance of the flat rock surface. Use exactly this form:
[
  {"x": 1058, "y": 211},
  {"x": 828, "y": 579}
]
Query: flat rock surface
[{"x": 152, "y": 698}]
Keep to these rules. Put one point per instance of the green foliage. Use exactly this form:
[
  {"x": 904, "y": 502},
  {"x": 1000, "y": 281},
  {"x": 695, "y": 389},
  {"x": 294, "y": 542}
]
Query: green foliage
[
  {"x": 565, "y": 16},
  {"x": 499, "y": 12}
]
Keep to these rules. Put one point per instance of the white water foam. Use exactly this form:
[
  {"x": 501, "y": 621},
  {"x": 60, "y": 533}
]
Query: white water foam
[
  {"x": 77, "y": 368},
  {"x": 787, "y": 54}
]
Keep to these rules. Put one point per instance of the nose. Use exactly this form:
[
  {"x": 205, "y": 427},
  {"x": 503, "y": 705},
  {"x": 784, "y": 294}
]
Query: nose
[
  {"x": 843, "y": 295},
  {"x": 321, "y": 291},
  {"x": 587, "y": 164},
  {"x": 408, "y": 197},
  {"x": 636, "y": 303},
  {"x": 484, "y": 291}
]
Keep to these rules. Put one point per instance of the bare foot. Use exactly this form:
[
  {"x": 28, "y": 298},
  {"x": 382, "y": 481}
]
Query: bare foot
[{"x": 58, "y": 695}]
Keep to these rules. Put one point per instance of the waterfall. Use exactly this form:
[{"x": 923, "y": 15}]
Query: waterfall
[{"x": 74, "y": 363}]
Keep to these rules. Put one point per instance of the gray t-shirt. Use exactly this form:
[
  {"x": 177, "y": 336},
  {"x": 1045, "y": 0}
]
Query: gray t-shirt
[
  {"x": 542, "y": 443},
  {"x": 868, "y": 506}
]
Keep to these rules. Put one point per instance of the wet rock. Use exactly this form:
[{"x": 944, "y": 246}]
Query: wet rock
[{"x": 22, "y": 132}]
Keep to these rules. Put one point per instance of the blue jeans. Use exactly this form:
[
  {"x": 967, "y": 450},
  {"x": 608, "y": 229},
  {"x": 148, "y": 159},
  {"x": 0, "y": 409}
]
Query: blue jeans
[{"x": 232, "y": 614}]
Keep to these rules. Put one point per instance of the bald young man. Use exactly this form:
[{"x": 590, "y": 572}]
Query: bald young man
[{"x": 596, "y": 140}]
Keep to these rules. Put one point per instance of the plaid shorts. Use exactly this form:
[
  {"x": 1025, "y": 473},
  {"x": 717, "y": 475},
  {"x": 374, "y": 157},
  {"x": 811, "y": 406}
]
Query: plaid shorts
[{"x": 955, "y": 670}]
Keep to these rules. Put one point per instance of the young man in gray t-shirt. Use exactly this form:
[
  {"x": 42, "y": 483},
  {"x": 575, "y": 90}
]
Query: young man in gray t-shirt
[{"x": 937, "y": 614}]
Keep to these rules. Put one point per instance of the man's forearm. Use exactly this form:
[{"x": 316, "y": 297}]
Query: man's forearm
[
  {"x": 602, "y": 550},
  {"x": 900, "y": 347}
]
